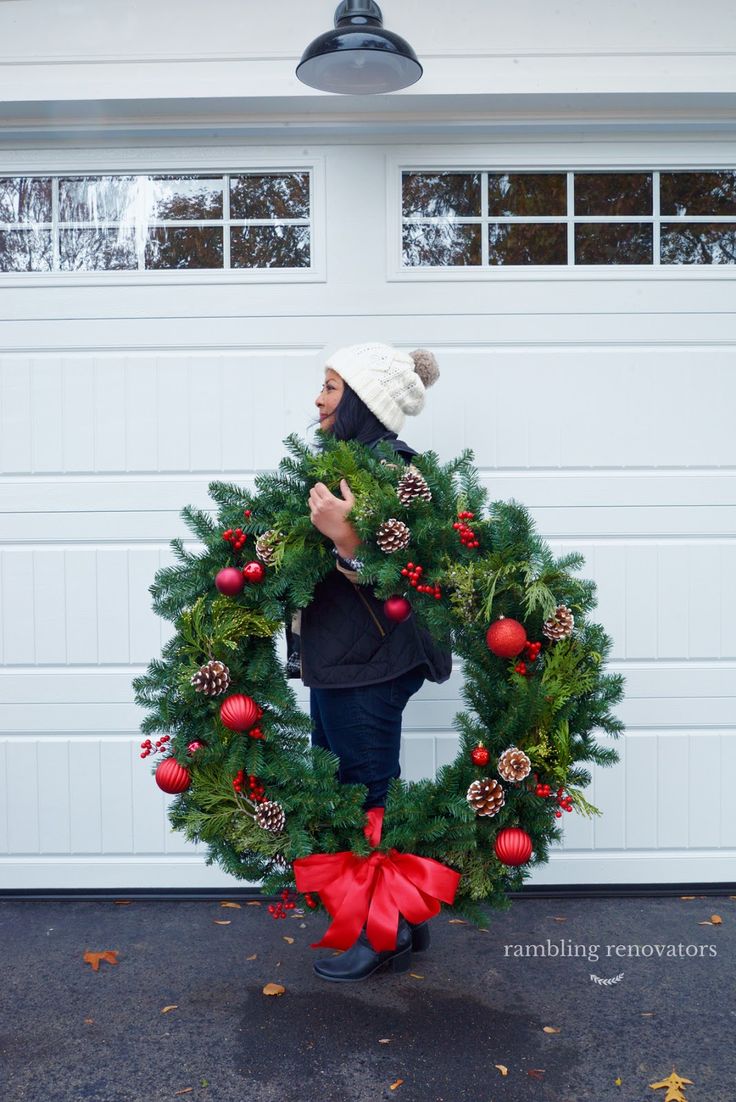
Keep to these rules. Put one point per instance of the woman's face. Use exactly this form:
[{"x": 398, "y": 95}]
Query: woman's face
[{"x": 328, "y": 399}]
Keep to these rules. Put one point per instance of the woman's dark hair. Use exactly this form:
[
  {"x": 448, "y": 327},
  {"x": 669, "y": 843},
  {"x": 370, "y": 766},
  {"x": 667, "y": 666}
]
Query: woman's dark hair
[{"x": 354, "y": 421}]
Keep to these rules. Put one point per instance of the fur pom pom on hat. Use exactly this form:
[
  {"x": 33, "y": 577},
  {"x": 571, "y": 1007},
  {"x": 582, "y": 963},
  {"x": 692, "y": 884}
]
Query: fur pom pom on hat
[{"x": 391, "y": 383}]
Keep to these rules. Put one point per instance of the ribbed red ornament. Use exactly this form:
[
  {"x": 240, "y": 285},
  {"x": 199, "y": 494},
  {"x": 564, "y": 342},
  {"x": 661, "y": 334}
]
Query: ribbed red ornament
[
  {"x": 513, "y": 846},
  {"x": 239, "y": 712},
  {"x": 506, "y": 637},
  {"x": 172, "y": 777},
  {"x": 229, "y": 581}
]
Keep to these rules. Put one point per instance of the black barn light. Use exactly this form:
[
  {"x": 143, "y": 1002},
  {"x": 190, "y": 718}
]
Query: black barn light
[{"x": 359, "y": 56}]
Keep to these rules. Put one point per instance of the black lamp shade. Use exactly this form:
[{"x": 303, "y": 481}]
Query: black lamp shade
[{"x": 359, "y": 57}]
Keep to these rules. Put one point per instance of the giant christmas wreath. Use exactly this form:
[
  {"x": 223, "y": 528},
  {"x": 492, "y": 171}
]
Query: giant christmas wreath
[{"x": 235, "y": 745}]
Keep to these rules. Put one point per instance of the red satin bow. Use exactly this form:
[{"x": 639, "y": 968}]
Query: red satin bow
[{"x": 373, "y": 890}]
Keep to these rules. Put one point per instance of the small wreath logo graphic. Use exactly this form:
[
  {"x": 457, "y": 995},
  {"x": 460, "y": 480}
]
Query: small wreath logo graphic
[{"x": 603, "y": 982}]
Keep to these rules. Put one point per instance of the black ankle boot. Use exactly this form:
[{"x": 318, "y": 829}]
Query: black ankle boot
[
  {"x": 361, "y": 959},
  {"x": 419, "y": 936}
]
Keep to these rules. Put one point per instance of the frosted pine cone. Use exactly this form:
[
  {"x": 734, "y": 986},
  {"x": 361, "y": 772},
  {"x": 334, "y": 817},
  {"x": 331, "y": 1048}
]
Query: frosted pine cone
[
  {"x": 486, "y": 796},
  {"x": 266, "y": 546},
  {"x": 514, "y": 765},
  {"x": 393, "y": 535},
  {"x": 412, "y": 485},
  {"x": 270, "y": 816},
  {"x": 560, "y": 625},
  {"x": 211, "y": 679}
]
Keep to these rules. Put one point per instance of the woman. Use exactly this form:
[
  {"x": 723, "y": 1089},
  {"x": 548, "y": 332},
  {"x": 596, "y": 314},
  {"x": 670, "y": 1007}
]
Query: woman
[{"x": 360, "y": 667}]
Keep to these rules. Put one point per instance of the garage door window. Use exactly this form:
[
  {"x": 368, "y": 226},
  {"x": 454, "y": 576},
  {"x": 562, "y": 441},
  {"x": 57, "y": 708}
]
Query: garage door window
[
  {"x": 484, "y": 219},
  {"x": 148, "y": 223}
]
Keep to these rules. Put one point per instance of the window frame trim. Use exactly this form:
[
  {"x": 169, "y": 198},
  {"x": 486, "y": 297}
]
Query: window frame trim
[
  {"x": 526, "y": 159},
  {"x": 195, "y": 161}
]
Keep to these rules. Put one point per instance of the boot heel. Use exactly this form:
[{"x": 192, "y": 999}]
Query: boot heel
[
  {"x": 420, "y": 937},
  {"x": 402, "y": 961}
]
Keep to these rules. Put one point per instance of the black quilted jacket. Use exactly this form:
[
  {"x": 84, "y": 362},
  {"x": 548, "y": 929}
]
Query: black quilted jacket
[{"x": 346, "y": 640}]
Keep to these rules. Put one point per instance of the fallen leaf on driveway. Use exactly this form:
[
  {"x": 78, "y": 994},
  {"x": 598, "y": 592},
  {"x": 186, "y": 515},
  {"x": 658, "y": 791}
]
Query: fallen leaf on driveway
[
  {"x": 166, "y": 1009},
  {"x": 416, "y": 975},
  {"x": 536, "y": 1073},
  {"x": 384, "y": 1040},
  {"x": 186, "y": 1090},
  {"x": 687, "y": 897},
  {"x": 253, "y": 903},
  {"x": 110, "y": 955},
  {"x": 253, "y": 957},
  {"x": 705, "y": 923},
  {"x": 289, "y": 939},
  {"x": 225, "y": 903},
  {"x": 89, "y": 1021},
  {"x": 647, "y": 1014},
  {"x": 716, "y": 920},
  {"x": 222, "y": 921},
  {"x": 396, "y": 1084},
  {"x": 617, "y": 1081},
  {"x": 123, "y": 902},
  {"x": 457, "y": 922},
  {"x": 502, "y": 1068},
  {"x": 274, "y": 989},
  {"x": 550, "y": 1029},
  {"x": 560, "y": 918}
]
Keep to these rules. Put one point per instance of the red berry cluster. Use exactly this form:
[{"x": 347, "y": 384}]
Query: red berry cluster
[
  {"x": 544, "y": 790},
  {"x": 256, "y": 732},
  {"x": 236, "y": 537},
  {"x": 414, "y": 574},
  {"x": 246, "y": 512},
  {"x": 278, "y": 910},
  {"x": 531, "y": 653},
  {"x": 148, "y": 748},
  {"x": 565, "y": 802},
  {"x": 310, "y": 901},
  {"x": 467, "y": 536},
  {"x": 256, "y": 791}
]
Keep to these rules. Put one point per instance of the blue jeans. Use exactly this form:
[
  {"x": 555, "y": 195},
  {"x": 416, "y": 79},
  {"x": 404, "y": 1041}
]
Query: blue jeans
[{"x": 362, "y": 726}]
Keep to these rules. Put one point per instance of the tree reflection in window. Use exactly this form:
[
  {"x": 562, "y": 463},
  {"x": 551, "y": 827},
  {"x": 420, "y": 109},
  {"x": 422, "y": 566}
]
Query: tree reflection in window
[
  {"x": 441, "y": 194},
  {"x": 698, "y": 243},
  {"x": 698, "y": 192},
  {"x": 450, "y": 244}
]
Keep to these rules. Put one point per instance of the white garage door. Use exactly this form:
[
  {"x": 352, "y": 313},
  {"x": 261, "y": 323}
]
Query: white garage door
[{"x": 585, "y": 336}]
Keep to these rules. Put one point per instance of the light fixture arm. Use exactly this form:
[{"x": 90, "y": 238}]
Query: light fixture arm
[{"x": 358, "y": 13}]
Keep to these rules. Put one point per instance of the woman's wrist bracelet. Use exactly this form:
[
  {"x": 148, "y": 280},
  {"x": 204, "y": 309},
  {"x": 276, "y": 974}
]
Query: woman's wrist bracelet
[{"x": 347, "y": 564}]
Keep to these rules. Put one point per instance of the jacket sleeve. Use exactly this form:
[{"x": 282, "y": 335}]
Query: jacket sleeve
[{"x": 351, "y": 575}]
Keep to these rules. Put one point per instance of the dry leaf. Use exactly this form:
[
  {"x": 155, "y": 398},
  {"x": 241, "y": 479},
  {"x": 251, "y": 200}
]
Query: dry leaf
[
  {"x": 253, "y": 957},
  {"x": 483, "y": 930},
  {"x": 457, "y": 922},
  {"x": 647, "y": 1014},
  {"x": 123, "y": 902},
  {"x": 110, "y": 955},
  {"x": 222, "y": 921},
  {"x": 560, "y": 918},
  {"x": 502, "y": 1068},
  {"x": 416, "y": 975},
  {"x": 732, "y": 897},
  {"x": 253, "y": 903},
  {"x": 536, "y": 1073},
  {"x": 618, "y": 1081},
  {"x": 89, "y": 1021},
  {"x": 705, "y": 923},
  {"x": 687, "y": 897},
  {"x": 274, "y": 989},
  {"x": 225, "y": 903},
  {"x": 166, "y": 1009},
  {"x": 186, "y": 1090},
  {"x": 716, "y": 920},
  {"x": 289, "y": 939},
  {"x": 550, "y": 1029},
  {"x": 384, "y": 1040},
  {"x": 396, "y": 1084}
]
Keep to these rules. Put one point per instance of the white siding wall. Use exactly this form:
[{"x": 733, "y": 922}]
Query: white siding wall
[{"x": 603, "y": 402}]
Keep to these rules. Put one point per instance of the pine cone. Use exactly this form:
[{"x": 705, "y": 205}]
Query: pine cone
[
  {"x": 514, "y": 765},
  {"x": 486, "y": 796},
  {"x": 412, "y": 485},
  {"x": 270, "y": 816},
  {"x": 266, "y": 546},
  {"x": 211, "y": 679},
  {"x": 560, "y": 625},
  {"x": 393, "y": 535}
]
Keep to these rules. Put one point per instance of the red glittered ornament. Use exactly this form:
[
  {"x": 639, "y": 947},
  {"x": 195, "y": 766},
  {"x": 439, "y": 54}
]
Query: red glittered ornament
[
  {"x": 194, "y": 746},
  {"x": 172, "y": 777},
  {"x": 230, "y": 581},
  {"x": 253, "y": 572},
  {"x": 397, "y": 609},
  {"x": 513, "y": 846},
  {"x": 479, "y": 755},
  {"x": 506, "y": 637},
  {"x": 239, "y": 712}
]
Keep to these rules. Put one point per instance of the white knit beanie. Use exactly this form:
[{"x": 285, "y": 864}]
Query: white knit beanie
[{"x": 391, "y": 383}]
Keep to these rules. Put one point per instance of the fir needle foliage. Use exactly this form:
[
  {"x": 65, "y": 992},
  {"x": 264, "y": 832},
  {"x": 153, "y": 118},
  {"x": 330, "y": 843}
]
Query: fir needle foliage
[{"x": 552, "y": 712}]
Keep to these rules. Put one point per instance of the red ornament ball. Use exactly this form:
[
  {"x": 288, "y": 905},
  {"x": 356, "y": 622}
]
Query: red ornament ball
[
  {"x": 239, "y": 712},
  {"x": 254, "y": 572},
  {"x": 194, "y": 746},
  {"x": 479, "y": 756},
  {"x": 506, "y": 637},
  {"x": 172, "y": 777},
  {"x": 397, "y": 609},
  {"x": 230, "y": 581},
  {"x": 513, "y": 846}
]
